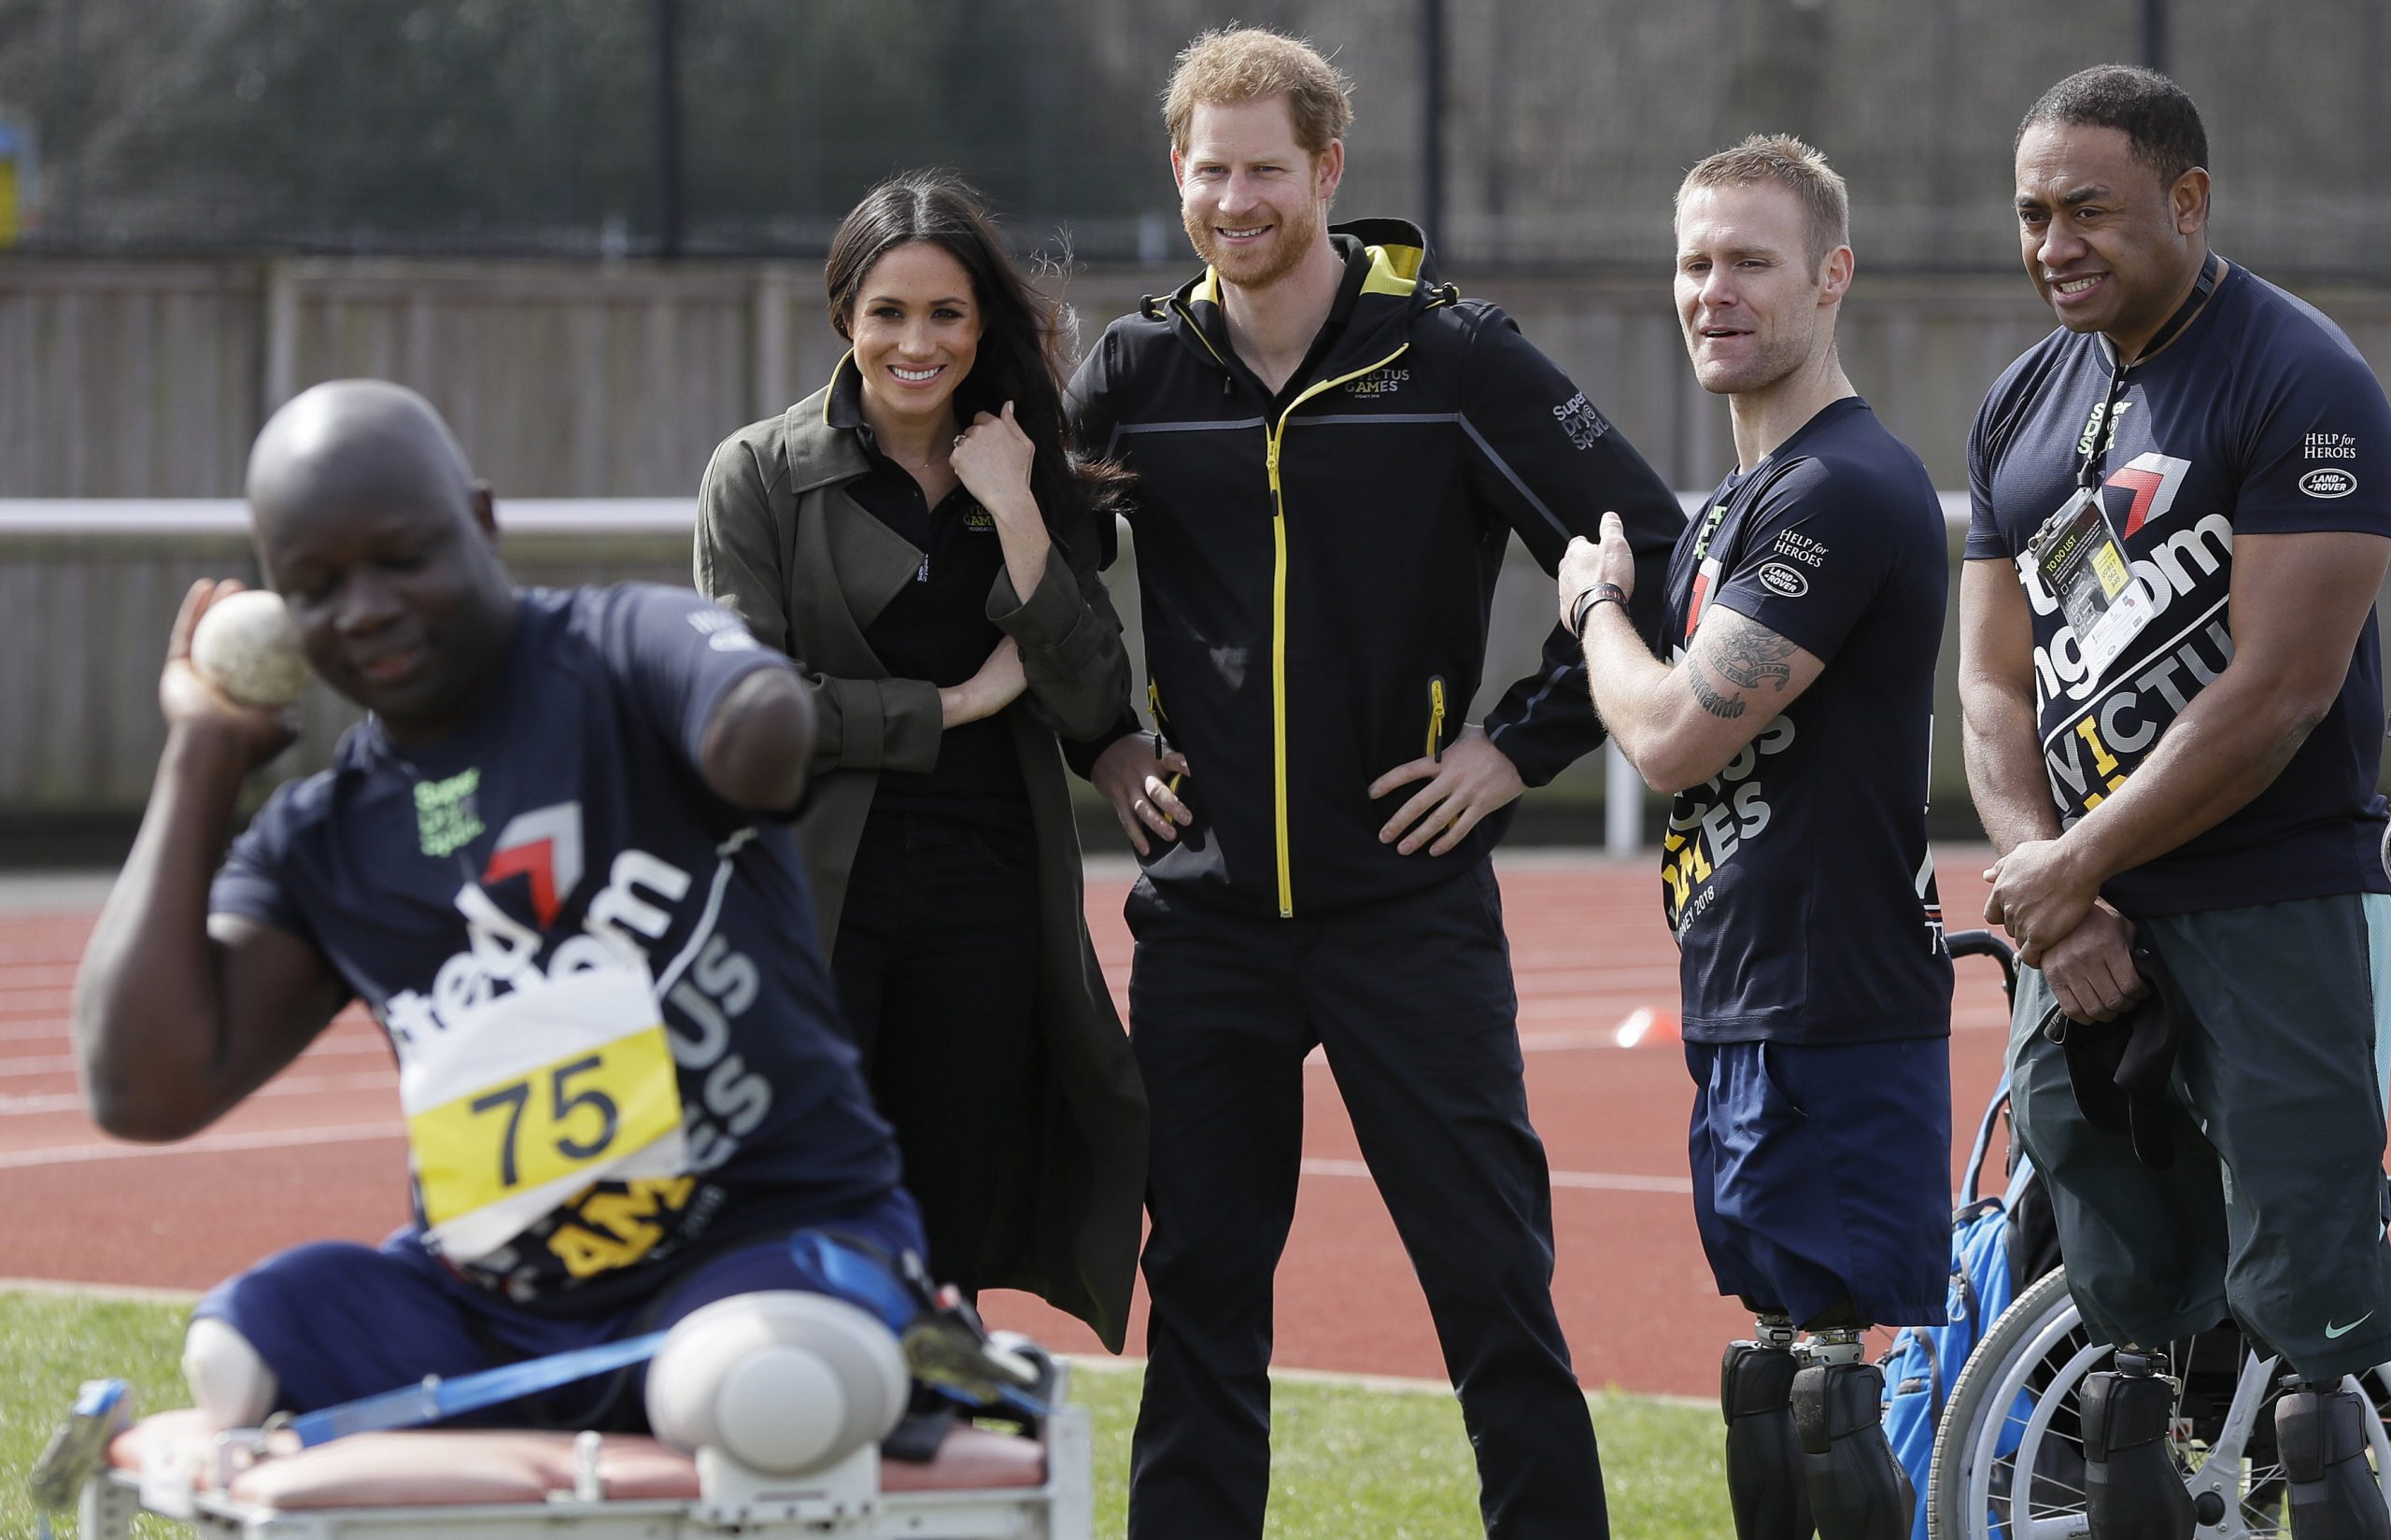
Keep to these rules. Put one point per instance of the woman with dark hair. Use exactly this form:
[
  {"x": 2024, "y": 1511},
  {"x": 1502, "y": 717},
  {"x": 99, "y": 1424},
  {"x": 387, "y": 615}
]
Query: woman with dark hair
[{"x": 916, "y": 536}]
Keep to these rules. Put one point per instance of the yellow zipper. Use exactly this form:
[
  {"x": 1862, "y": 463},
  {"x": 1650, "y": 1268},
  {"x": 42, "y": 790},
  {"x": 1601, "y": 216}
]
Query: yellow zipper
[
  {"x": 1162, "y": 728},
  {"x": 1271, "y": 446},
  {"x": 1437, "y": 717}
]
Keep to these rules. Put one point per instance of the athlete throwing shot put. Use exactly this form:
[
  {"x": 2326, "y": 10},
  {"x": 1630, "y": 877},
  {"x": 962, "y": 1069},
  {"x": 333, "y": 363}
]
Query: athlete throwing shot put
[
  {"x": 546, "y": 863},
  {"x": 1805, "y": 605}
]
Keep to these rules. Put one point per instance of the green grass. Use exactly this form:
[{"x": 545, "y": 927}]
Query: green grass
[{"x": 1351, "y": 1463}]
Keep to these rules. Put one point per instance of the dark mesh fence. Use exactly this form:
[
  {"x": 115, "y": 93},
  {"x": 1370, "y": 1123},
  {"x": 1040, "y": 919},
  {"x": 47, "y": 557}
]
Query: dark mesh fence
[{"x": 538, "y": 125}]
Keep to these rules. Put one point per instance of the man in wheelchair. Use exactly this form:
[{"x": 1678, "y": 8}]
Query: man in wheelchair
[
  {"x": 2178, "y": 769},
  {"x": 551, "y": 863}
]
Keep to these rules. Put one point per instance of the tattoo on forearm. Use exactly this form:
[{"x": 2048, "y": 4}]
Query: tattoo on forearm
[
  {"x": 1726, "y": 706},
  {"x": 1748, "y": 656}
]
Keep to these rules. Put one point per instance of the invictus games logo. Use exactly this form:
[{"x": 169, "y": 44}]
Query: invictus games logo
[
  {"x": 446, "y": 819},
  {"x": 1580, "y": 421},
  {"x": 2326, "y": 480},
  {"x": 1380, "y": 382}
]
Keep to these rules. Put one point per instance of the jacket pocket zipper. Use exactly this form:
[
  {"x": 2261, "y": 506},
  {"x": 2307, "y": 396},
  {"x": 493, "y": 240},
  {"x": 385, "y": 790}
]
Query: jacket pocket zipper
[
  {"x": 1437, "y": 717},
  {"x": 1162, "y": 728}
]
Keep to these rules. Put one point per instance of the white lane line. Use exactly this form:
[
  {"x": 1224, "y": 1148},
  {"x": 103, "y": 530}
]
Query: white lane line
[
  {"x": 1598, "y": 1181},
  {"x": 1604, "y": 1182},
  {"x": 207, "y": 1144},
  {"x": 129, "y": 1293},
  {"x": 300, "y": 1085}
]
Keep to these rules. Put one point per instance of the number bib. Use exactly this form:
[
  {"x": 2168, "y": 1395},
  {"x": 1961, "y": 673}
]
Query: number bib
[{"x": 526, "y": 1098}]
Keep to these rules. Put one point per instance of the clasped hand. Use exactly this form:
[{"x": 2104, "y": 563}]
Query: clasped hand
[
  {"x": 992, "y": 458},
  {"x": 1138, "y": 777},
  {"x": 2084, "y": 947},
  {"x": 1587, "y": 565}
]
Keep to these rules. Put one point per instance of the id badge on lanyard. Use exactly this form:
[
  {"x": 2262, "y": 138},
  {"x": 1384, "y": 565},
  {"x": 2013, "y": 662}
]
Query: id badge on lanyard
[
  {"x": 2077, "y": 552},
  {"x": 2082, "y": 561},
  {"x": 523, "y": 1101}
]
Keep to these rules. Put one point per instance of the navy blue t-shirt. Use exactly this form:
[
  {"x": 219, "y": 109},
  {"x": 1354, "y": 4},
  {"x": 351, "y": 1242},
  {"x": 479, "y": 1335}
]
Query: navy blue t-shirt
[
  {"x": 568, "y": 815},
  {"x": 2256, "y": 418},
  {"x": 1798, "y": 879}
]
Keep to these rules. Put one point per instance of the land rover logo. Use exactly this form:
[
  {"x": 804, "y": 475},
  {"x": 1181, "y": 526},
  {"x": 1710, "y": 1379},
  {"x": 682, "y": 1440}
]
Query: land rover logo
[
  {"x": 1783, "y": 581},
  {"x": 2324, "y": 481}
]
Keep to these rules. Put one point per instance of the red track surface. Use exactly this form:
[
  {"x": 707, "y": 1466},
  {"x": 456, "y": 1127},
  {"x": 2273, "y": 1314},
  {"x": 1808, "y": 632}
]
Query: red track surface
[{"x": 317, "y": 1152}]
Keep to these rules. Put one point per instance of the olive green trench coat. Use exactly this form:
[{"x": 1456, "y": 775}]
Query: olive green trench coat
[{"x": 782, "y": 544}]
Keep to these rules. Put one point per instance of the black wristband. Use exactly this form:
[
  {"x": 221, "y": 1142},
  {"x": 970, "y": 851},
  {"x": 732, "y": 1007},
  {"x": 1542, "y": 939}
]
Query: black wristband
[{"x": 1601, "y": 593}]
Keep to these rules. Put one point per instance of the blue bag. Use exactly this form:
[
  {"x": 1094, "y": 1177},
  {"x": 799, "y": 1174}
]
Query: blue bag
[{"x": 1925, "y": 1361}]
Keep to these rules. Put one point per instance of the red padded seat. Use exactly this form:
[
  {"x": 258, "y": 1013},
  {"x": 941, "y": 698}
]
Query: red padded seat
[{"x": 434, "y": 1467}]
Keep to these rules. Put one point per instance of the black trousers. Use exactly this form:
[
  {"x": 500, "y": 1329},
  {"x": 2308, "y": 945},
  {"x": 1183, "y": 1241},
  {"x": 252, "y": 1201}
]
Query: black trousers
[
  {"x": 1413, "y": 1001},
  {"x": 937, "y": 964}
]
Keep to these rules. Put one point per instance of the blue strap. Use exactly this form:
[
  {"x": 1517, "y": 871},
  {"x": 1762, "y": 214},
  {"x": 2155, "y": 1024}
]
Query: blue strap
[
  {"x": 838, "y": 1265},
  {"x": 437, "y": 1398}
]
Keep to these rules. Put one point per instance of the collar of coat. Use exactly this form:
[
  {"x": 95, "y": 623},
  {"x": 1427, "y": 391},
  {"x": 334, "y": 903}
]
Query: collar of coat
[
  {"x": 1388, "y": 279},
  {"x": 820, "y": 452}
]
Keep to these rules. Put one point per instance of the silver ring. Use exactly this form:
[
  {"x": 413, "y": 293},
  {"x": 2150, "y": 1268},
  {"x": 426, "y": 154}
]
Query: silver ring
[{"x": 957, "y": 444}]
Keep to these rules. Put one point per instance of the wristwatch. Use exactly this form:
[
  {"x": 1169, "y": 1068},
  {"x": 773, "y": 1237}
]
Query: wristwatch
[{"x": 1601, "y": 593}]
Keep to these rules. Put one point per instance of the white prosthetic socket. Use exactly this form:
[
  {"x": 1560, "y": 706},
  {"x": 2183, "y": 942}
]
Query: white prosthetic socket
[
  {"x": 230, "y": 1383},
  {"x": 784, "y": 1382}
]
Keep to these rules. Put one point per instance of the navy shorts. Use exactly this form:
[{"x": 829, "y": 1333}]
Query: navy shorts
[
  {"x": 1822, "y": 1174},
  {"x": 336, "y": 1320}
]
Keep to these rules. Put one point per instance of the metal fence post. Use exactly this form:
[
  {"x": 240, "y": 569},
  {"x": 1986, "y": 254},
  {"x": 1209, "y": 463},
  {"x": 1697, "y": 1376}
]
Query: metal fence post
[{"x": 1623, "y": 803}]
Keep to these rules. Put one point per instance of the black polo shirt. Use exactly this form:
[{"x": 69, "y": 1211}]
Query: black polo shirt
[{"x": 937, "y": 629}]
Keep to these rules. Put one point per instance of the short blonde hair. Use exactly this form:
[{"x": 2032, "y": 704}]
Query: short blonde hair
[
  {"x": 1226, "y": 66},
  {"x": 1790, "y": 163}
]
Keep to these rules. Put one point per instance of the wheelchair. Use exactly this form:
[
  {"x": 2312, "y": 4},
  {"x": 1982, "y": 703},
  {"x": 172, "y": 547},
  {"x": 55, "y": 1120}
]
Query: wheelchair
[{"x": 2008, "y": 1460}]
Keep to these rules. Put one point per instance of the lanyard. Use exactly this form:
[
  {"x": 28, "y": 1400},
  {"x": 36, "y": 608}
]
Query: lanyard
[{"x": 2096, "y": 453}]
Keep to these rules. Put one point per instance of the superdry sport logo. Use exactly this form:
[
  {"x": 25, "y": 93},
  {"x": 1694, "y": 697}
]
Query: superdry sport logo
[
  {"x": 446, "y": 818},
  {"x": 1580, "y": 421}
]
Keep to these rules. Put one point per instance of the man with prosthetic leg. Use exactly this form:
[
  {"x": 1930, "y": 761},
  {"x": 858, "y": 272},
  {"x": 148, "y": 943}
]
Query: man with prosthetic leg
[
  {"x": 551, "y": 863},
  {"x": 2173, "y": 686},
  {"x": 1791, "y": 721}
]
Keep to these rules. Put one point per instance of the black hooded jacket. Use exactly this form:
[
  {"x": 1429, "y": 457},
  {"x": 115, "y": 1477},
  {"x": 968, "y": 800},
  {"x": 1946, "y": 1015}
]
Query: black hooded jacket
[{"x": 1317, "y": 566}]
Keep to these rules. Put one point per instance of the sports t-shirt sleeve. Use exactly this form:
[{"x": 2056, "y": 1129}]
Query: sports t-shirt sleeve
[
  {"x": 681, "y": 655},
  {"x": 1816, "y": 552},
  {"x": 251, "y": 883},
  {"x": 1986, "y": 543},
  {"x": 2317, "y": 452}
]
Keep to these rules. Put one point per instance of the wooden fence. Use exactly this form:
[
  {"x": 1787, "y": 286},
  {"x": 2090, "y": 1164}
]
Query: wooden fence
[{"x": 593, "y": 379}]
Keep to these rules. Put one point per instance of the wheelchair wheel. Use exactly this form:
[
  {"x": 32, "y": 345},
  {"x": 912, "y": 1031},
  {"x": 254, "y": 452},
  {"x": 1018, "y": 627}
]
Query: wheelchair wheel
[{"x": 2009, "y": 1453}]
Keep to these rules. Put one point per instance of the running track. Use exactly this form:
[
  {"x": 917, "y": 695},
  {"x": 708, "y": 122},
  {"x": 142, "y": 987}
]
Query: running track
[{"x": 318, "y": 1152}]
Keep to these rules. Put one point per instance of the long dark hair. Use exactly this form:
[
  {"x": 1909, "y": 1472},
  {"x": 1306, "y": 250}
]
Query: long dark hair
[{"x": 1025, "y": 346}]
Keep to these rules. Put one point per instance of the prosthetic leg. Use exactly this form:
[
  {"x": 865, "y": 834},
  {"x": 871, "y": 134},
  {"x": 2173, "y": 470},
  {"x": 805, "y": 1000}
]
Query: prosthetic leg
[
  {"x": 1857, "y": 1490},
  {"x": 1765, "y": 1488},
  {"x": 2132, "y": 1488},
  {"x": 2321, "y": 1431}
]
